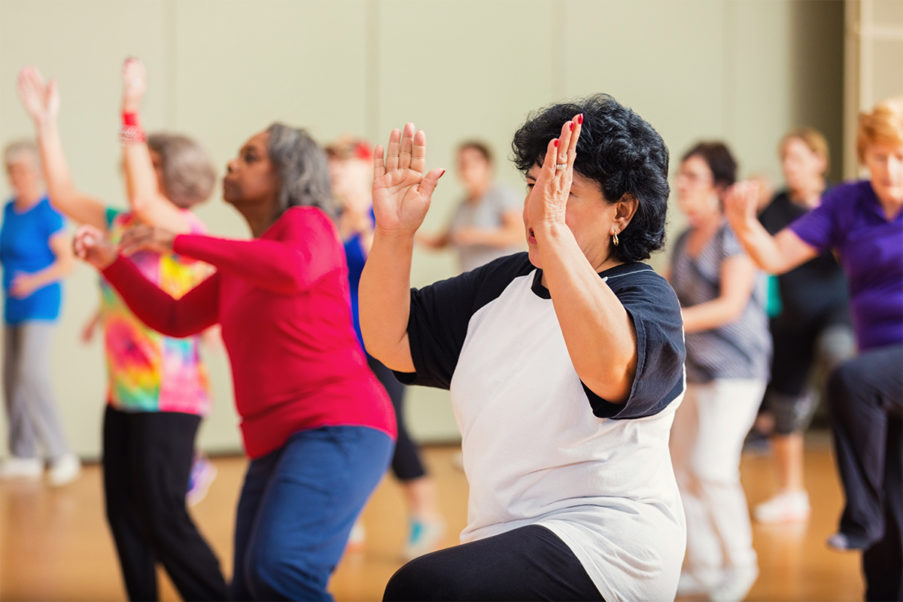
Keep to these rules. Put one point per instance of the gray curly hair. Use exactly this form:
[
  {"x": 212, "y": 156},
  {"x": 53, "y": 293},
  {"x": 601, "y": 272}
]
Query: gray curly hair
[
  {"x": 301, "y": 165},
  {"x": 188, "y": 173}
]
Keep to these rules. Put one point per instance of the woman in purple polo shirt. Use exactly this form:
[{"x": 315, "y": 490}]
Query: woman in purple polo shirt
[{"x": 862, "y": 222}]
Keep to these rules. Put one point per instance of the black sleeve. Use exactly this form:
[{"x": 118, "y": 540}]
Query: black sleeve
[
  {"x": 441, "y": 312},
  {"x": 653, "y": 307}
]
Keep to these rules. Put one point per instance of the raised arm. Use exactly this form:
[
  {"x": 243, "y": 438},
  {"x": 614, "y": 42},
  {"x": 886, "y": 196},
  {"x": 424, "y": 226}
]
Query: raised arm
[
  {"x": 774, "y": 254},
  {"x": 190, "y": 314},
  {"x": 597, "y": 329},
  {"x": 42, "y": 103},
  {"x": 146, "y": 200},
  {"x": 401, "y": 198},
  {"x": 290, "y": 265}
]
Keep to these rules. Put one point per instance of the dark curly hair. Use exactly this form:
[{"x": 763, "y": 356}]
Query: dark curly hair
[{"x": 619, "y": 150}]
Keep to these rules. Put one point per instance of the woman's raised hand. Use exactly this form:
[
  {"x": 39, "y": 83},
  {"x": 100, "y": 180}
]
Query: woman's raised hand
[
  {"x": 91, "y": 246},
  {"x": 41, "y": 101},
  {"x": 401, "y": 190},
  {"x": 740, "y": 204},
  {"x": 134, "y": 84},
  {"x": 547, "y": 200}
]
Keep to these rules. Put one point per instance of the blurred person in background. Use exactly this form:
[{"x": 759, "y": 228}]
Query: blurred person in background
[
  {"x": 486, "y": 223},
  {"x": 862, "y": 222},
  {"x": 351, "y": 174},
  {"x": 722, "y": 295},
  {"x": 158, "y": 389},
  {"x": 36, "y": 255},
  {"x": 812, "y": 329}
]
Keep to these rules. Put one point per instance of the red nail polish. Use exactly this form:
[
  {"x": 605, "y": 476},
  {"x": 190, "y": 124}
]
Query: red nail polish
[
  {"x": 442, "y": 174},
  {"x": 572, "y": 125},
  {"x": 580, "y": 118},
  {"x": 555, "y": 144}
]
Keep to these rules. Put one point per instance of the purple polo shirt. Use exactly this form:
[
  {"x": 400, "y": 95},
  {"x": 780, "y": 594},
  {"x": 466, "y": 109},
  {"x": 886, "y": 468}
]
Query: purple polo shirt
[{"x": 851, "y": 222}]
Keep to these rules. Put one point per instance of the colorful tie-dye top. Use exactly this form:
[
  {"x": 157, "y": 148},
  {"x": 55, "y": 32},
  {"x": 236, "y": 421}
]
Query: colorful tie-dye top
[{"x": 149, "y": 372}]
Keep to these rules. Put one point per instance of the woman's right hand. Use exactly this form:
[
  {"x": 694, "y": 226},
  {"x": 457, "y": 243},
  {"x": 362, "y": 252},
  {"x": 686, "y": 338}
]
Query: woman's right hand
[
  {"x": 91, "y": 246},
  {"x": 41, "y": 101},
  {"x": 401, "y": 191},
  {"x": 134, "y": 84},
  {"x": 741, "y": 204}
]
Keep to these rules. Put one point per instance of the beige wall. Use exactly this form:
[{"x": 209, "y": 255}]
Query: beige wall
[{"x": 743, "y": 70}]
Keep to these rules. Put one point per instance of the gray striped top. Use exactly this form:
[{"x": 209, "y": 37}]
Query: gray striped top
[{"x": 740, "y": 349}]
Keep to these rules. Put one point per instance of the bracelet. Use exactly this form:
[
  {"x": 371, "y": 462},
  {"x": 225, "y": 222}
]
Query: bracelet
[
  {"x": 131, "y": 134},
  {"x": 129, "y": 118}
]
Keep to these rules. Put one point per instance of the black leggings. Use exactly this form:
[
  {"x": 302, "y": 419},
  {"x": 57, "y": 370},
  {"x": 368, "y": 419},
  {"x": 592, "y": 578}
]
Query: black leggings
[
  {"x": 529, "y": 563},
  {"x": 865, "y": 397},
  {"x": 406, "y": 462},
  {"x": 147, "y": 459}
]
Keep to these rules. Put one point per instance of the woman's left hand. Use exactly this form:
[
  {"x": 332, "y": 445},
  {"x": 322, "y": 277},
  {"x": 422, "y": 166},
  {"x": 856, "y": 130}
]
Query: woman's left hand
[
  {"x": 547, "y": 201},
  {"x": 134, "y": 84},
  {"x": 146, "y": 238}
]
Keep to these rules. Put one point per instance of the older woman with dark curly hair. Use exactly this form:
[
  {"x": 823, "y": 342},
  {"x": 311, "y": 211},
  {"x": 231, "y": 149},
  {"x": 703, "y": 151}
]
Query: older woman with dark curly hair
[{"x": 564, "y": 363}]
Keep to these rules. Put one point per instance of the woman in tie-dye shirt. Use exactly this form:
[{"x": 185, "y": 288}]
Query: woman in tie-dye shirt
[{"x": 158, "y": 388}]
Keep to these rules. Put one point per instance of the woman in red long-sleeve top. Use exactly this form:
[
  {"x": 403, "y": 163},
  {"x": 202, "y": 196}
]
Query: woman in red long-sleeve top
[{"x": 317, "y": 425}]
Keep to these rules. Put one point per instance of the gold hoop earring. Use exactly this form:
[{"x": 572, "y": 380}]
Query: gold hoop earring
[{"x": 614, "y": 239}]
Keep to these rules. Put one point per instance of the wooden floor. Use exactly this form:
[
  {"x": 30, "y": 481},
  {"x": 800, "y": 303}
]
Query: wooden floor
[{"x": 54, "y": 544}]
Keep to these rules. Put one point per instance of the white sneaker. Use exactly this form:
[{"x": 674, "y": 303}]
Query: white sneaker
[
  {"x": 21, "y": 468},
  {"x": 356, "y": 538},
  {"x": 736, "y": 584},
  {"x": 65, "y": 470},
  {"x": 787, "y": 507},
  {"x": 689, "y": 585}
]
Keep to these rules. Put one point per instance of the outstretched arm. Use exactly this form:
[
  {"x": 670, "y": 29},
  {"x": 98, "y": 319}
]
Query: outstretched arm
[
  {"x": 188, "y": 315},
  {"x": 774, "y": 254},
  {"x": 42, "y": 103},
  {"x": 146, "y": 200},
  {"x": 401, "y": 198},
  {"x": 290, "y": 265}
]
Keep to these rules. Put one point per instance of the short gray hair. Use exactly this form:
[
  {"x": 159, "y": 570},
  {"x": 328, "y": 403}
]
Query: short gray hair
[
  {"x": 188, "y": 173},
  {"x": 301, "y": 166},
  {"x": 17, "y": 148}
]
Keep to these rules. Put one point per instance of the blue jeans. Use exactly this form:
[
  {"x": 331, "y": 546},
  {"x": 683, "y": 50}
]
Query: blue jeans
[{"x": 297, "y": 507}]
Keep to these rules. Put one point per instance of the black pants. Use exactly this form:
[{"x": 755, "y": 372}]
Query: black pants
[
  {"x": 865, "y": 396},
  {"x": 147, "y": 460},
  {"x": 529, "y": 563},
  {"x": 406, "y": 462}
]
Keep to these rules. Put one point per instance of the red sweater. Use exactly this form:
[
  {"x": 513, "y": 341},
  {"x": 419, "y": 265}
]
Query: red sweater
[{"x": 282, "y": 301}]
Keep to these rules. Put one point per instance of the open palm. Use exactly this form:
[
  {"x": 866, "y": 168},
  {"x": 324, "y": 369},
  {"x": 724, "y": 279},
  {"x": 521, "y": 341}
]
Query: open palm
[
  {"x": 41, "y": 101},
  {"x": 401, "y": 191}
]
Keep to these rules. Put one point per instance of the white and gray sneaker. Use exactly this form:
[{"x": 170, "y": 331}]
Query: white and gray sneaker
[
  {"x": 64, "y": 470},
  {"x": 21, "y": 468},
  {"x": 785, "y": 507}
]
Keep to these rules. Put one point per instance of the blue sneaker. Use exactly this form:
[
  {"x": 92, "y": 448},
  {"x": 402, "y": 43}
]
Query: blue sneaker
[
  {"x": 202, "y": 474},
  {"x": 425, "y": 536}
]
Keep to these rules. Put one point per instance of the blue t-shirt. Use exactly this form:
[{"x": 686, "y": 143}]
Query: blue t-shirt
[{"x": 25, "y": 248}]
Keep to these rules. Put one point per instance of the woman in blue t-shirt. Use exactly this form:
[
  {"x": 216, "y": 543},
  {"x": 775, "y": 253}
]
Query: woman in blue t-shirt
[
  {"x": 35, "y": 254},
  {"x": 351, "y": 175}
]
